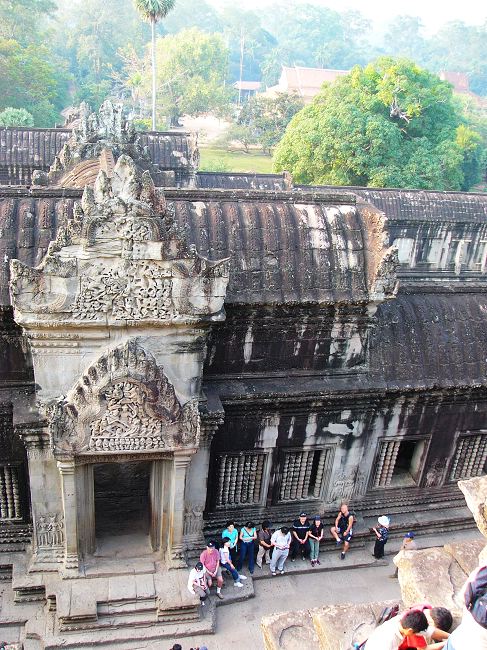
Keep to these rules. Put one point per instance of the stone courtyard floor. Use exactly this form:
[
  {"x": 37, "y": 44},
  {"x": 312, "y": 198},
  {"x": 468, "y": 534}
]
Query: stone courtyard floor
[{"x": 238, "y": 625}]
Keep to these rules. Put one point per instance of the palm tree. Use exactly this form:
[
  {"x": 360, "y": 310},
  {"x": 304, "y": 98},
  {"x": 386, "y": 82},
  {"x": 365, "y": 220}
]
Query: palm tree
[{"x": 153, "y": 11}]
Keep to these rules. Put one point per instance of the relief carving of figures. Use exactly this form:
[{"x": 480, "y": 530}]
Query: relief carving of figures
[
  {"x": 124, "y": 402},
  {"x": 50, "y": 530},
  {"x": 126, "y": 424},
  {"x": 347, "y": 484},
  {"x": 435, "y": 474},
  {"x": 135, "y": 292},
  {"x": 193, "y": 521}
]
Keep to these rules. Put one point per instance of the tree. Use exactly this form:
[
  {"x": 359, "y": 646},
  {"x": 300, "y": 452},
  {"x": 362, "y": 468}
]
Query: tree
[
  {"x": 404, "y": 37},
  {"x": 33, "y": 80},
  {"x": 191, "y": 70},
  {"x": 25, "y": 20},
  {"x": 16, "y": 117},
  {"x": 268, "y": 117},
  {"x": 390, "y": 124},
  {"x": 152, "y": 11}
]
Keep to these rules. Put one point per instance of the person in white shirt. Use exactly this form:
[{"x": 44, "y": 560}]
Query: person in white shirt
[
  {"x": 198, "y": 582},
  {"x": 281, "y": 541},
  {"x": 226, "y": 563},
  {"x": 391, "y": 634},
  {"x": 471, "y": 634}
]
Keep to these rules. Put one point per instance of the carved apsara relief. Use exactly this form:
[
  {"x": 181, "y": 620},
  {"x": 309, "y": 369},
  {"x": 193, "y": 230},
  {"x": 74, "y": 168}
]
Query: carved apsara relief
[{"x": 50, "y": 530}]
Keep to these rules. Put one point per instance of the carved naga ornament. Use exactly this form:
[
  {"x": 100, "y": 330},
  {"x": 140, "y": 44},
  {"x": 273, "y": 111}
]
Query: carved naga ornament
[
  {"x": 120, "y": 259},
  {"x": 123, "y": 403}
]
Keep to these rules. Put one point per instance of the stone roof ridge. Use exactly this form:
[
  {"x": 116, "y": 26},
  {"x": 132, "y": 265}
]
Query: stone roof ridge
[{"x": 96, "y": 142}]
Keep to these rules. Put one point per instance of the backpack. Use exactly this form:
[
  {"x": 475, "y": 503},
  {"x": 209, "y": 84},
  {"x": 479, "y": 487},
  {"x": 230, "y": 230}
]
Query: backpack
[
  {"x": 387, "y": 614},
  {"x": 476, "y": 597}
]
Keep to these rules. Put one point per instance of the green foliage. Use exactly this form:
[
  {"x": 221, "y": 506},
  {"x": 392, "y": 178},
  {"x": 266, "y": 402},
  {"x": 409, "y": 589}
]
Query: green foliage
[
  {"x": 390, "y": 124},
  {"x": 240, "y": 133},
  {"x": 193, "y": 13},
  {"x": 191, "y": 68},
  {"x": 312, "y": 35},
  {"x": 25, "y": 20},
  {"x": 266, "y": 118},
  {"x": 31, "y": 80},
  {"x": 154, "y": 10},
  {"x": 16, "y": 117}
]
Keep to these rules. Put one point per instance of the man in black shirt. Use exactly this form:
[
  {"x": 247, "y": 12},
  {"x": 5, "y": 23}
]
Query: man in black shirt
[
  {"x": 300, "y": 534},
  {"x": 342, "y": 531}
]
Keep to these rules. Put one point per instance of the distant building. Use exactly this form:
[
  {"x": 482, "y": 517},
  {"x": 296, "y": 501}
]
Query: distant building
[
  {"x": 246, "y": 89},
  {"x": 461, "y": 85},
  {"x": 306, "y": 82}
]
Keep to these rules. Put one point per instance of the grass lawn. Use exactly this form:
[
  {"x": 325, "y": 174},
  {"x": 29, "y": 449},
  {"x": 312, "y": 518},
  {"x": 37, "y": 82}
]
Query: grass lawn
[{"x": 221, "y": 160}]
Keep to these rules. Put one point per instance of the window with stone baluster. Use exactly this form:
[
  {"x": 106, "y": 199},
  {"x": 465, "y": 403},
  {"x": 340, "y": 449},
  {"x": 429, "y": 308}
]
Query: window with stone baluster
[
  {"x": 304, "y": 473},
  {"x": 240, "y": 479},
  {"x": 12, "y": 475},
  {"x": 470, "y": 457},
  {"x": 10, "y": 498}
]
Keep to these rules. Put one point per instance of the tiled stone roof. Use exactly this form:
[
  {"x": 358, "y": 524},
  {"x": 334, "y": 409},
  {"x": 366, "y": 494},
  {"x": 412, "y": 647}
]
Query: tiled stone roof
[
  {"x": 23, "y": 150},
  {"x": 285, "y": 248}
]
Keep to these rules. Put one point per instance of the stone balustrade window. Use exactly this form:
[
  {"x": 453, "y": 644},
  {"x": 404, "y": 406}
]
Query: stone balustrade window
[
  {"x": 240, "y": 479},
  {"x": 304, "y": 474},
  {"x": 10, "y": 501},
  {"x": 470, "y": 457}
]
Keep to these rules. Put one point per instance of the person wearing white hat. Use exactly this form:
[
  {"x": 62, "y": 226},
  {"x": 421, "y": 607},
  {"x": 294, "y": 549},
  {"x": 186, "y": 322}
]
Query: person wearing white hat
[{"x": 382, "y": 533}]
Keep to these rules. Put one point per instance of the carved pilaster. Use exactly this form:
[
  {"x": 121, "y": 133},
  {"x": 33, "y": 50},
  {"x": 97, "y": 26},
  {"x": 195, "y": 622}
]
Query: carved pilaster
[
  {"x": 175, "y": 555},
  {"x": 197, "y": 482},
  {"x": 68, "y": 485}
]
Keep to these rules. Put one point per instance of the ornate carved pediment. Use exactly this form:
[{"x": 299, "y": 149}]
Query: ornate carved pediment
[
  {"x": 123, "y": 403},
  {"x": 97, "y": 140},
  {"x": 120, "y": 258}
]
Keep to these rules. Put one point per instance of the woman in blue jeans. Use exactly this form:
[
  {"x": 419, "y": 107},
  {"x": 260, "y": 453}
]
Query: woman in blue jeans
[{"x": 248, "y": 535}]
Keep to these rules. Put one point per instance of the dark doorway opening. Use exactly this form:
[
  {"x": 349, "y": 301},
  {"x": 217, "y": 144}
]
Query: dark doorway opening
[
  {"x": 407, "y": 468},
  {"x": 122, "y": 510}
]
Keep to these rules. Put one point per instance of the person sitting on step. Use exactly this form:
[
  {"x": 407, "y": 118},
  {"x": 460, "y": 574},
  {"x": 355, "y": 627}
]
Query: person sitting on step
[{"x": 342, "y": 531}]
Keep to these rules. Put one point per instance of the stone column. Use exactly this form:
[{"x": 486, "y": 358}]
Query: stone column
[
  {"x": 175, "y": 556},
  {"x": 196, "y": 489},
  {"x": 45, "y": 497},
  {"x": 68, "y": 484}
]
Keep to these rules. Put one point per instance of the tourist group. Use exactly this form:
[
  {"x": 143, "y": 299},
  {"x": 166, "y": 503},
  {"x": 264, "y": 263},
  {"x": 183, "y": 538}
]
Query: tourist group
[{"x": 302, "y": 539}]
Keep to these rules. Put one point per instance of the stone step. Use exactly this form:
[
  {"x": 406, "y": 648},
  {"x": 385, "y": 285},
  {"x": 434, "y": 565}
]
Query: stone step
[
  {"x": 113, "y": 637},
  {"x": 6, "y": 572}
]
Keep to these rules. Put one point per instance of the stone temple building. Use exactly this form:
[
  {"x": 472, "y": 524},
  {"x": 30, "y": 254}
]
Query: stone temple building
[{"x": 179, "y": 348}]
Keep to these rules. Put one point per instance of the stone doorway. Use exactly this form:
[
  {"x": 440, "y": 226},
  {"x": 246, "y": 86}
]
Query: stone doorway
[{"x": 122, "y": 508}]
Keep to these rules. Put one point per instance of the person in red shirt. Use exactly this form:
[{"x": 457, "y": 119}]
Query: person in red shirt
[{"x": 210, "y": 559}]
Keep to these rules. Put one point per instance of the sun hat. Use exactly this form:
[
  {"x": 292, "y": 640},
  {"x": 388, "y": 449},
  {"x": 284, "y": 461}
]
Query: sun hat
[{"x": 384, "y": 521}]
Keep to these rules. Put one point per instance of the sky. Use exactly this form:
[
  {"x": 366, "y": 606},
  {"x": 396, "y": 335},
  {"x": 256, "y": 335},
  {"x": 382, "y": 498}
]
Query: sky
[{"x": 434, "y": 13}]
